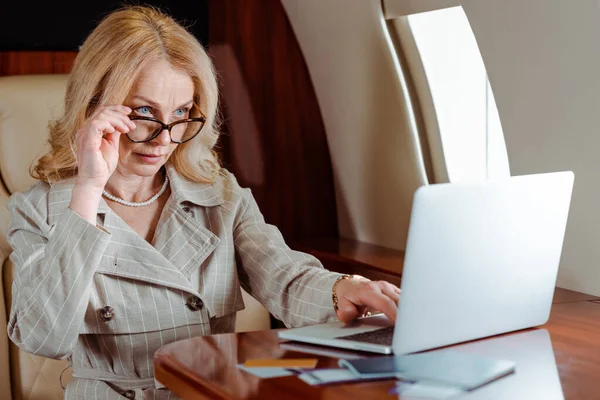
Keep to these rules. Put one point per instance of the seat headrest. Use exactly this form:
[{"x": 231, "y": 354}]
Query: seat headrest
[{"x": 27, "y": 104}]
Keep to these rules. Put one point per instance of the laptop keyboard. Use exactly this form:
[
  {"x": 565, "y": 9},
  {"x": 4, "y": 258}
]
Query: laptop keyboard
[{"x": 383, "y": 336}]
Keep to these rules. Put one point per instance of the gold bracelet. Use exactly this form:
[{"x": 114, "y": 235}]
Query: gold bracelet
[{"x": 334, "y": 290}]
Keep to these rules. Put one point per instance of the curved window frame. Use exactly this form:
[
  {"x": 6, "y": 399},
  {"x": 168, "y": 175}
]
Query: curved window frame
[{"x": 455, "y": 95}]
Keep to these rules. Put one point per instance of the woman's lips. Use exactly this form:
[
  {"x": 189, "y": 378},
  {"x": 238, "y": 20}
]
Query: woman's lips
[{"x": 150, "y": 158}]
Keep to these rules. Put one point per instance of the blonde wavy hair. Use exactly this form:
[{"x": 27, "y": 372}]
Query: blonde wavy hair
[{"x": 104, "y": 72}]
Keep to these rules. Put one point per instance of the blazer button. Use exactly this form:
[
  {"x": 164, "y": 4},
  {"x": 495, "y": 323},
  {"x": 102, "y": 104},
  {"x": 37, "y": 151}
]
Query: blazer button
[
  {"x": 194, "y": 303},
  {"x": 107, "y": 313},
  {"x": 129, "y": 394}
]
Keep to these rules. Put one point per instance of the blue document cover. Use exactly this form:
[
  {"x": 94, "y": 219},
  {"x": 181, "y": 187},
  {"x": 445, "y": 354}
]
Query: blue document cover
[{"x": 465, "y": 371}]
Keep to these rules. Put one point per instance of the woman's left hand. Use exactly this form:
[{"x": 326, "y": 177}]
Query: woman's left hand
[{"x": 358, "y": 295}]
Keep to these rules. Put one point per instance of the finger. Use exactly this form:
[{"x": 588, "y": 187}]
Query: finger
[
  {"x": 106, "y": 127},
  {"x": 90, "y": 137},
  {"x": 113, "y": 114},
  {"x": 347, "y": 311},
  {"x": 113, "y": 138},
  {"x": 369, "y": 312},
  {"x": 127, "y": 120},
  {"x": 376, "y": 299},
  {"x": 110, "y": 145},
  {"x": 364, "y": 311},
  {"x": 390, "y": 290},
  {"x": 102, "y": 126},
  {"x": 126, "y": 110},
  {"x": 120, "y": 121},
  {"x": 120, "y": 112}
]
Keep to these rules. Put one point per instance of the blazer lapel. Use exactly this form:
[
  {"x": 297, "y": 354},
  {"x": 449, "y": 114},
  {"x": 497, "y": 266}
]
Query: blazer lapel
[
  {"x": 180, "y": 246},
  {"x": 130, "y": 256},
  {"x": 183, "y": 238},
  {"x": 183, "y": 241}
]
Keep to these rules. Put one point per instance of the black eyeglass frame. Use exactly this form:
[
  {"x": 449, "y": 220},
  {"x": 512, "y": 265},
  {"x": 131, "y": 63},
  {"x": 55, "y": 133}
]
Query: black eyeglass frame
[{"x": 168, "y": 127}]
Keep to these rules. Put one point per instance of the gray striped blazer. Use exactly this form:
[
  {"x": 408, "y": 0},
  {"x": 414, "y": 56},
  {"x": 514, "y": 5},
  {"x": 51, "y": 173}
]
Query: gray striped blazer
[{"x": 106, "y": 299}]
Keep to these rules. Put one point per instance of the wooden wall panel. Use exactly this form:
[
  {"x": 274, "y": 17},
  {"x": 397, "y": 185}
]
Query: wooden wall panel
[
  {"x": 274, "y": 139},
  {"x": 36, "y": 62}
]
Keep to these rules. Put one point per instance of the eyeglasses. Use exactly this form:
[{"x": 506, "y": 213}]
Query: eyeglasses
[{"x": 180, "y": 131}]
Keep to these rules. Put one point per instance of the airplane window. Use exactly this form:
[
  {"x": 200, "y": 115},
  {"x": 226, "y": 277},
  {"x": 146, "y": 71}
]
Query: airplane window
[{"x": 470, "y": 129}]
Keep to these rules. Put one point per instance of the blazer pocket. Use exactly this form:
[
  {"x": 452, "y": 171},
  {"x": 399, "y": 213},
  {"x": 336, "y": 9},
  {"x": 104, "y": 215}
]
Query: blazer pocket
[
  {"x": 221, "y": 290},
  {"x": 119, "y": 305}
]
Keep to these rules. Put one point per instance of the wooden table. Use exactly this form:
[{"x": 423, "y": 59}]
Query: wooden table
[{"x": 559, "y": 360}]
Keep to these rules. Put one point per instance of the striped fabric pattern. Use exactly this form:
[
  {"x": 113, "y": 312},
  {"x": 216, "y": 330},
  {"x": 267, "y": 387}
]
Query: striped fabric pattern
[{"x": 211, "y": 240}]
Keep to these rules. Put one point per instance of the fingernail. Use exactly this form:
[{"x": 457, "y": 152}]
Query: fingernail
[{"x": 127, "y": 109}]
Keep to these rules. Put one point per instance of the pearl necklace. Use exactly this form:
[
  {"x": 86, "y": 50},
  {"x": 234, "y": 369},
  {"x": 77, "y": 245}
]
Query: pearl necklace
[{"x": 142, "y": 203}]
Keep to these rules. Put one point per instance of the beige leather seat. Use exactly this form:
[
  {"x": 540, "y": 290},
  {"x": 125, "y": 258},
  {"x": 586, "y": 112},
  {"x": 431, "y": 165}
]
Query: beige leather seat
[{"x": 27, "y": 103}]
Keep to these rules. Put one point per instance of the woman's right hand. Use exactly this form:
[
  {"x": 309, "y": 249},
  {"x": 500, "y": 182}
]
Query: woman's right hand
[{"x": 98, "y": 144}]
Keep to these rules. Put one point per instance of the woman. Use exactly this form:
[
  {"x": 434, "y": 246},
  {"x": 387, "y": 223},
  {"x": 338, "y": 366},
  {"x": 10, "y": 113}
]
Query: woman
[{"x": 134, "y": 236}]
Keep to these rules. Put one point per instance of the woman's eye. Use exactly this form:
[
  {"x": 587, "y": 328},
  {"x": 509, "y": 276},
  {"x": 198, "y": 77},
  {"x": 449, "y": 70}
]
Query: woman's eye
[
  {"x": 145, "y": 110},
  {"x": 181, "y": 112}
]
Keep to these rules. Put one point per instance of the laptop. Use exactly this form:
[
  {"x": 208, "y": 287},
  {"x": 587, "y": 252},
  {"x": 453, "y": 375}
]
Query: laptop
[{"x": 481, "y": 259}]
